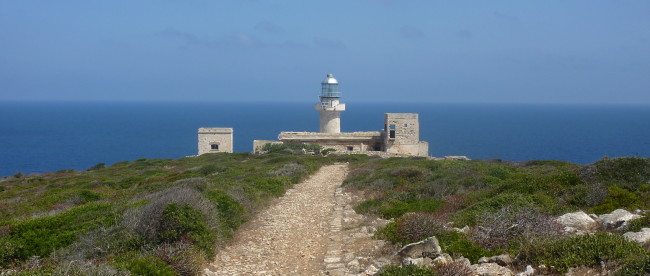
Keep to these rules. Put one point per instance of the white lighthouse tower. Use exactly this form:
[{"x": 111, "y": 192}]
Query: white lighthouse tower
[{"x": 329, "y": 107}]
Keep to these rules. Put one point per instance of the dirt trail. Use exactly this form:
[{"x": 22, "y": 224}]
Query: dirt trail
[{"x": 293, "y": 236}]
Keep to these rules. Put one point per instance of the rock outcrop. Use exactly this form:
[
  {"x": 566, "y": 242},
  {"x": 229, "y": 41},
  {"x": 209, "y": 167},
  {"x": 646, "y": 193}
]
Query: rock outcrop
[
  {"x": 502, "y": 260},
  {"x": 577, "y": 221},
  {"x": 617, "y": 218},
  {"x": 426, "y": 248},
  {"x": 641, "y": 237},
  {"x": 491, "y": 269}
]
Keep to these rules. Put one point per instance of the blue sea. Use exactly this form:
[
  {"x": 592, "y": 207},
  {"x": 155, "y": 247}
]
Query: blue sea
[{"x": 41, "y": 137}]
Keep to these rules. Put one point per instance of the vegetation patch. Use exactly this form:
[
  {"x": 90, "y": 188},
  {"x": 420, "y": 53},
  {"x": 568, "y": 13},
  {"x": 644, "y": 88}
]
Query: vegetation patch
[
  {"x": 509, "y": 206},
  {"x": 583, "y": 250},
  {"x": 145, "y": 217}
]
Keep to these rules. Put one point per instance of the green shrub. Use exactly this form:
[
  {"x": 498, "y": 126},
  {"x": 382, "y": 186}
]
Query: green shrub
[
  {"x": 40, "y": 236},
  {"x": 627, "y": 172},
  {"x": 406, "y": 270},
  {"x": 617, "y": 198},
  {"x": 637, "y": 265},
  {"x": 97, "y": 167},
  {"x": 636, "y": 224},
  {"x": 456, "y": 244},
  {"x": 389, "y": 233},
  {"x": 451, "y": 242},
  {"x": 208, "y": 169},
  {"x": 413, "y": 227},
  {"x": 274, "y": 186},
  {"x": 149, "y": 266},
  {"x": 231, "y": 212},
  {"x": 127, "y": 182},
  {"x": 89, "y": 196},
  {"x": 469, "y": 216},
  {"x": 396, "y": 208},
  {"x": 583, "y": 250},
  {"x": 327, "y": 151},
  {"x": 181, "y": 221},
  {"x": 410, "y": 174},
  {"x": 291, "y": 147}
]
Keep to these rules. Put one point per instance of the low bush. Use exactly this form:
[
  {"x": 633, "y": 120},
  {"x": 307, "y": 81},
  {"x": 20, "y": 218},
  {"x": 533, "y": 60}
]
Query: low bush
[
  {"x": 636, "y": 224},
  {"x": 456, "y": 268},
  {"x": 83, "y": 268},
  {"x": 469, "y": 216},
  {"x": 637, "y": 265},
  {"x": 627, "y": 172},
  {"x": 406, "y": 270},
  {"x": 510, "y": 227},
  {"x": 583, "y": 250},
  {"x": 97, "y": 167},
  {"x": 149, "y": 266},
  {"x": 456, "y": 244},
  {"x": 393, "y": 208},
  {"x": 182, "y": 222},
  {"x": 413, "y": 227},
  {"x": 617, "y": 198},
  {"x": 181, "y": 256},
  {"x": 89, "y": 196},
  {"x": 146, "y": 220},
  {"x": 40, "y": 236},
  {"x": 451, "y": 242},
  {"x": 231, "y": 212},
  {"x": 208, "y": 169}
]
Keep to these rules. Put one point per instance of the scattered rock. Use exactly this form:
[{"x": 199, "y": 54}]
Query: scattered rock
[
  {"x": 577, "y": 221},
  {"x": 528, "y": 272},
  {"x": 443, "y": 259},
  {"x": 491, "y": 269},
  {"x": 463, "y": 230},
  {"x": 457, "y": 157},
  {"x": 617, "y": 218},
  {"x": 371, "y": 270},
  {"x": 641, "y": 237},
  {"x": 502, "y": 260},
  {"x": 426, "y": 248},
  {"x": 464, "y": 260},
  {"x": 415, "y": 261}
]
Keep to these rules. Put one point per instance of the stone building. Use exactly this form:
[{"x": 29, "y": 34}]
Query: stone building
[
  {"x": 400, "y": 136},
  {"x": 215, "y": 139}
]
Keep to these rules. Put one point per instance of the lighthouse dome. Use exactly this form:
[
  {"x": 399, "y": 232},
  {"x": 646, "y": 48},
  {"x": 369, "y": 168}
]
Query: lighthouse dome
[{"x": 329, "y": 80}]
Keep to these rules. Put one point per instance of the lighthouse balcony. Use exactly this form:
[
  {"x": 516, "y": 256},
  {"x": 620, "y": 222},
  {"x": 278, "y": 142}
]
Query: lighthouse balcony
[{"x": 327, "y": 94}]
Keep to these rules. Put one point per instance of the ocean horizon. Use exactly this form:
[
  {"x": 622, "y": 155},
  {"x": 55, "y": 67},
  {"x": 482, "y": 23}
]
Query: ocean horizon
[{"x": 50, "y": 136}]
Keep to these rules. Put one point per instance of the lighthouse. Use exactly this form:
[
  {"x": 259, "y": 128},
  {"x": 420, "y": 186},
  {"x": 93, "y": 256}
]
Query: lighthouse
[{"x": 329, "y": 106}]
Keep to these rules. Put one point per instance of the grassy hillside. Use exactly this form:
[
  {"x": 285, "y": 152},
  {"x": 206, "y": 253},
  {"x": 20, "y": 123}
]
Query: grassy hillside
[
  {"x": 146, "y": 217},
  {"x": 508, "y": 206}
]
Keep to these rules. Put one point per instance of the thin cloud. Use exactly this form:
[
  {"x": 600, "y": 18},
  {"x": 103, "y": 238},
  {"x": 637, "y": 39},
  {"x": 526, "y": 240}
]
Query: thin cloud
[
  {"x": 410, "y": 32},
  {"x": 464, "y": 34},
  {"x": 269, "y": 27},
  {"x": 238, "y": 39},
  {"x": 507, "y": 17},
  {"x": 329, "y": 44}
]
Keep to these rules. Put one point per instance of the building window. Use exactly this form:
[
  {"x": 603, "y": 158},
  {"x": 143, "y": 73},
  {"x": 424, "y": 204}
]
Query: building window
[
  {"x": 391, "y": 131},
  {"x": 350, "y": 148},
  {"x": 214, "y": 146}
]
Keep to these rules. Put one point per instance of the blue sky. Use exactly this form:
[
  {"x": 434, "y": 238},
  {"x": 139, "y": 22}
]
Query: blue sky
[{"x": 585, "y": 51}]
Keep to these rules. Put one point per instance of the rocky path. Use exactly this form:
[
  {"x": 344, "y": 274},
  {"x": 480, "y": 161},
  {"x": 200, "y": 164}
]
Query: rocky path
[{"x": 289, "y": 238}]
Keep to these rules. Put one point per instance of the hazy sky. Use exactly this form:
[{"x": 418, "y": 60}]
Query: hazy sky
[{"x": 562, "y": 51}]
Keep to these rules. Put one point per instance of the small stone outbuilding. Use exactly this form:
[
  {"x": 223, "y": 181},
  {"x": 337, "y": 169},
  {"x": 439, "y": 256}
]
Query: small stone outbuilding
[{"x": 215, "y": 139}]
